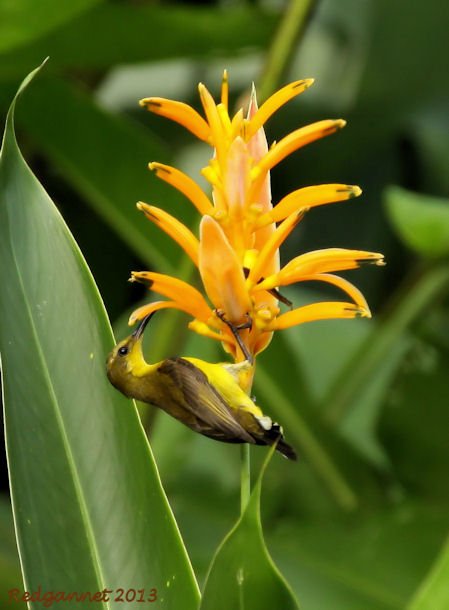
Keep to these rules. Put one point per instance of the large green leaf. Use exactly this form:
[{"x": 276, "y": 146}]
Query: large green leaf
[
  {"x": 105, "y": 158},
  {"x": 372, "y": 562},
  {"x": 118, "y": 33},
  {"x": 22, "y": 21},
  {"x": 10, "y": 577},
  {"x": 415, "y": 421},
  {"x": 421, "y": 221},
  {"x": 434, "y": 592},
  {"x": 242, "y": 575},
  {"x": 355, "y": 398},
  {"x": 89, "y": 508}
]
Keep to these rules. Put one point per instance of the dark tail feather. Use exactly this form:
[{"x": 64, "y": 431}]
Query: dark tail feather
[
  {"x": 286, "y": 450},
  {"x": 275, "y": 436}
]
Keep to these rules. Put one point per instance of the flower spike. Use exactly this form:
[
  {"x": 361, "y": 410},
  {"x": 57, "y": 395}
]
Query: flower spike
[{"x": 237, "y": 248}]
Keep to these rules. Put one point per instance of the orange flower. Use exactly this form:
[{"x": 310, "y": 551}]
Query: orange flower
[{"x": 237, "y": 251}]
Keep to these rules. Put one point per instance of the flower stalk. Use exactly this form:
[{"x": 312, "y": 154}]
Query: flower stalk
[{"x": 245, "y": 476}]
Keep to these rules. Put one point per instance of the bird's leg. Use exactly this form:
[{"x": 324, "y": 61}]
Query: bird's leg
[
  {"x": 280, "y": 297},
  {"x": 273, "y": 291},
  {"x": 235, "y": 331}
]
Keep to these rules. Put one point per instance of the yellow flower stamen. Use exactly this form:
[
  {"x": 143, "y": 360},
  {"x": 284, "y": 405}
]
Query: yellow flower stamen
[
  {"x": 212, "y": 176},
  {"x": 237, "y": 123},
  {"x": 271, "y": 246},
  {"x": 179, "y": 112},
  {"x": 185, "y": 185},
  {"x": 217, "y": 133},
  {"x": 224, "y": 117}
]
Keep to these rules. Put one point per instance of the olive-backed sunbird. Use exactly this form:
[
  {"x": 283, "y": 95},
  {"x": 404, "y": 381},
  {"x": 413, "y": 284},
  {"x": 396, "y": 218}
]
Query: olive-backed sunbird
[{"x": 205, "y": 397}]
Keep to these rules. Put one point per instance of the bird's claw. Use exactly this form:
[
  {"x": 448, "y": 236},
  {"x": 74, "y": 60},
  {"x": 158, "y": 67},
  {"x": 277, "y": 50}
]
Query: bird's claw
[{"x": 235, "y": 331}]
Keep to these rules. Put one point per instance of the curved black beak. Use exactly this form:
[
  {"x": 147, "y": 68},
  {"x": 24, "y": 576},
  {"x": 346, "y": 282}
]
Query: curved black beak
[{"x": 139, "y": 330}]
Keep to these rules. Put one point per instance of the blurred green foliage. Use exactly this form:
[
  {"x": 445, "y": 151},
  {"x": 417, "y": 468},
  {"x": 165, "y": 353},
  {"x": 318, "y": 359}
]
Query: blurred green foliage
[{"x": 364, "y": 401}]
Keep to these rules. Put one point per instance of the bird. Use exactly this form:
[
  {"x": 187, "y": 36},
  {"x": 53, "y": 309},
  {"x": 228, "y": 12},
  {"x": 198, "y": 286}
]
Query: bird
[{"x": 204, "y": 396}]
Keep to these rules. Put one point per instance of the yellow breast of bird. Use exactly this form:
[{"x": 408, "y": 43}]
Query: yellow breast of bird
[
  {"x": 225, "y": 384},
  {"x": 196, "y": 392}
]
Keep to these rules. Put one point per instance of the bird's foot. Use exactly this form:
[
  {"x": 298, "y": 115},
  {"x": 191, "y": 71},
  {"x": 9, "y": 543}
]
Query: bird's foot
[{"x": 235, "y": 328}]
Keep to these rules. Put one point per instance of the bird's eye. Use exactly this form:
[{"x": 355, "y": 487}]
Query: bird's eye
[{"x": 123, "y": 351}]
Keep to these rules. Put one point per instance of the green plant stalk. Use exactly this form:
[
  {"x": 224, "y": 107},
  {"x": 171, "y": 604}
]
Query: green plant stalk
[
  {"x": 245, "y": 467},
  {"x": 245, "y": 476},
  {"x": 310, "y": 447},
  {"x": 432, "y": 593},
  {"x": 288, "y": 33},
  {"x": 411, "y": 301}
]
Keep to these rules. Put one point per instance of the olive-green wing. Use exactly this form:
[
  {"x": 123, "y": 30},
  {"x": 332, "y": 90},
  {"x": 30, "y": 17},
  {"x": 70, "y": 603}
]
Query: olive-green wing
[{"x": 203, "y": 400}]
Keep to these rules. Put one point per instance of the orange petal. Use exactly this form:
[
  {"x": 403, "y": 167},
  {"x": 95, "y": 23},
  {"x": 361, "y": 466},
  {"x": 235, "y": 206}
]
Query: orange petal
[
  {"x": 262, "y": 341},
  {"x": 316, "y": 262},
  {"x": 306, "y": 198},
  {"x": 143, "y": 311},
  {"x": 274, "y": 102},
  {"x": 322, "y": 261},
  {"x": 185, "y": 185},
  {"x": 344, "y": 285},
  {"x": 222, "y": 272},
  {"x": 188, "y": 299},
  {"x": 174, "y": 228},
  {"x": 296, "y": 139},
  {"x": 339, "y": 282},
  {"x": 269, "y": 250},
  {"x": 318, "y": 311},
  {"x": 182, "y": 113},
  {"x": 217, "y": 136}
]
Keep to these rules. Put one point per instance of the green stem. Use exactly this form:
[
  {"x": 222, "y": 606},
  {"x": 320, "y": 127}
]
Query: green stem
[
  {"x": 245, "y": 476},
  {"x": 308, "y": 444},
  {"x": 414, "y": 298},
  {"x": 283, "y": 46}
]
